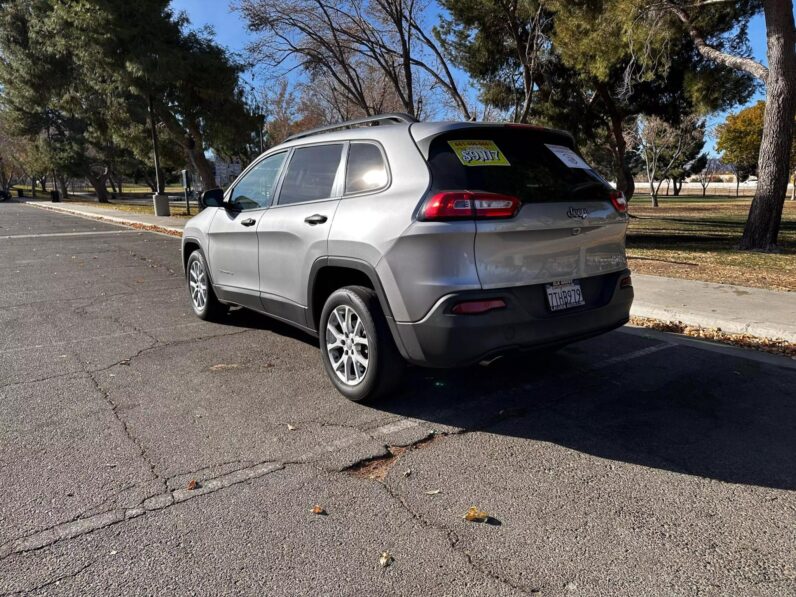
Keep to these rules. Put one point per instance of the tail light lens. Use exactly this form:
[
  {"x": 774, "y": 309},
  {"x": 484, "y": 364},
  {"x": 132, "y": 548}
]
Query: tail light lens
[
  {"x": 619, "y": 201},
  {"x": 478, "y": 307},
  {"x": 458, "y": 205}
]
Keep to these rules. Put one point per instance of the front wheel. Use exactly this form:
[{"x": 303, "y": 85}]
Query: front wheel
[
  {"x": 357, "y": 348},
  {"x": 203, "y": 300}
]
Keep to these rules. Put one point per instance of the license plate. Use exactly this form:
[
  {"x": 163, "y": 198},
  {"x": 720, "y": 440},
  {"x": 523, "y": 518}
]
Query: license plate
[{"x": 564, "y": 295}]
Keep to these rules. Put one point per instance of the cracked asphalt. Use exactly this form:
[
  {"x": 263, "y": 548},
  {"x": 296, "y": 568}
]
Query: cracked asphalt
[{"x": 636, "y": 463}]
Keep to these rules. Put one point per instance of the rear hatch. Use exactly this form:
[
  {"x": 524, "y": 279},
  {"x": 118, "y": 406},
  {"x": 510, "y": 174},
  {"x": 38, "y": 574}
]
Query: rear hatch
[{"x": 567, "y": 224}]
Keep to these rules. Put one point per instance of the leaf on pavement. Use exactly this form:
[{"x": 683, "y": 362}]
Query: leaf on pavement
[
  {"x": 193, "y": 484},
  {"x": 291, "y": 427},
  {"x": 476, "y": 515},
  {"x": 407, "y": 472},
  {"x": 434, "y": 492},
  {"x": 385, "y": 559},
  {"x": 224, "y": 366},
  {"x": 316, "y": 509}
]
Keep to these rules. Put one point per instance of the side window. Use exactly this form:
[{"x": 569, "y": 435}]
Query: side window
[
  {"x": 310, "y": 174},
  {"x": 366, "y": 170},
  {"x": 256, "y": 189}
]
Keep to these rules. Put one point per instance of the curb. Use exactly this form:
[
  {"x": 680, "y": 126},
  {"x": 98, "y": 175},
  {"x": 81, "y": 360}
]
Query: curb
[
  {"x": 168, "y": 230},
  {"x": 759, "y": 330}
]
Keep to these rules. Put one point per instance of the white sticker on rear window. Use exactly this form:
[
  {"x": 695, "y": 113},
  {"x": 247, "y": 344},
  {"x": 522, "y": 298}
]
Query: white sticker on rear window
[{"x": 569, "y": 157}]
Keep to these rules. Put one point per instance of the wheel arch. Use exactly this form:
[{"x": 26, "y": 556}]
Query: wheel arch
[{"x": 330, "y": 273}]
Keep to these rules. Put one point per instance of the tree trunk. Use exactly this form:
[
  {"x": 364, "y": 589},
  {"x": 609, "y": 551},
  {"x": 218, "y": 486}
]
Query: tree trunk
[
  {"x": 737, "y": 186},
  {"x": 765, "y": 214},
  {"x": 100, "y": 190},
  {"x": 195, "y": 147},
  {"x": 624, "y": 177},
  {"x": 793, "y": 188},
  {"x": 64, "y": 189},
  {"x": 676, "y": 187}
]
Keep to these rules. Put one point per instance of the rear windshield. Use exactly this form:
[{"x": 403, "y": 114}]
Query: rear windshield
[{"x": 535, "y": 166}]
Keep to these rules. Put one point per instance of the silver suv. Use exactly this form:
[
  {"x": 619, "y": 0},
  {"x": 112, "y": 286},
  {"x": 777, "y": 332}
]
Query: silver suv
[{"x": 395, "y": 241}]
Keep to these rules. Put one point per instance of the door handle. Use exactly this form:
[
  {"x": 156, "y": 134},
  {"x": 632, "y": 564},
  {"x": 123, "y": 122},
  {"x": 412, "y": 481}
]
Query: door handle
[
  {"x": 315, "y": 219},
  {"x": 248, "y": 222}
]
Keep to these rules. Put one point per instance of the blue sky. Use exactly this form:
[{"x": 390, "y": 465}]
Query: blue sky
[{"x": 232, "y": 33}]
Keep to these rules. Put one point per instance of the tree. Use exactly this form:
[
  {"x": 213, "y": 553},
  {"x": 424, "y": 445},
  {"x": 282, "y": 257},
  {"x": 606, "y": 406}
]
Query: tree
[
  {"x": 664, "y": 147},
  {"x": 341, "y": 40},
  {"x": 719, "y": 32},
  {"x": 682, "y": 172},
  {"x": 143, "y": 51},
  {"x": 707, "y": 174},
  {"x": 503, "y": 45},
  {"x": 739, "y": 139}
]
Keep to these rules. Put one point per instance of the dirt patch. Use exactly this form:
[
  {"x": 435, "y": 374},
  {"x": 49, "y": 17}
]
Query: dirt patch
[{"x": 378, "y": 468}]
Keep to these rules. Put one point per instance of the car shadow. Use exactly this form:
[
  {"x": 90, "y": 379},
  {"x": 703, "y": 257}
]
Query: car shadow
[
  {"x": 685, "y": 410},
  {"x": 682, "y": 409}
]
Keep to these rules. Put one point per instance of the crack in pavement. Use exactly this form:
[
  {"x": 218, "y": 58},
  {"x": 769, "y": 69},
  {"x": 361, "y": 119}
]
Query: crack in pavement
[
  {"x": 49, "y": 583},
  {"x": 167, "y": 498}
]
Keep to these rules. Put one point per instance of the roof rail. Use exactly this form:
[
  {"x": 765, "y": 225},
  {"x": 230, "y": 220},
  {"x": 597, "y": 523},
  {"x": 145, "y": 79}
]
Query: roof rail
[{"x": 391, "y": 118}]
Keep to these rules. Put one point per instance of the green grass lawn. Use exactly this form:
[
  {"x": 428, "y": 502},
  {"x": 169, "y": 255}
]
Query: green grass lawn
[{"x": 696, "y": 239}]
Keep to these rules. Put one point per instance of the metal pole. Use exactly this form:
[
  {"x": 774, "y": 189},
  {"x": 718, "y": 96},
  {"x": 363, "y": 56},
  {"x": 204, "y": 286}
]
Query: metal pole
[{"x": 158, "y": 179}]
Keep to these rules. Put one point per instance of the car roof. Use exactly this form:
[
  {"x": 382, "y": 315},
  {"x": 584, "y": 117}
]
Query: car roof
[{"x": 422, "y": 133}]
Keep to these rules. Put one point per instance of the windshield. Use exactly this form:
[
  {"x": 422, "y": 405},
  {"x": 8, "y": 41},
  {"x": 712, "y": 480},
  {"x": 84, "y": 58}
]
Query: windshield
[{"x": 534, "y": 166}]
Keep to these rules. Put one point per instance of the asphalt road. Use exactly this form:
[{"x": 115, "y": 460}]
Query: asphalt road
[{"x": 632, "y": 464}]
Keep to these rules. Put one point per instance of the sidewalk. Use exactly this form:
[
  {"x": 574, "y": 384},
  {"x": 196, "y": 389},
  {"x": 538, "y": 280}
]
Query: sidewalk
[
  {"x": 170, "y": 225},
  {"x": 733, "y": 309}
]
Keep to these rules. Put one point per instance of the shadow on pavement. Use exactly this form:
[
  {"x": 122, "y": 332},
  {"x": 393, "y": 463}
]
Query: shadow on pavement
[{"x": 684, "y": 409}]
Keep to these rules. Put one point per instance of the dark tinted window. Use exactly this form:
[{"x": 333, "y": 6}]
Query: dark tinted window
[
  {"x": 534, "y": 166},
  {"x": 255, "y": 190},
  {"x": 366, "y": 170},
  {"x": 310, "y": 174}
]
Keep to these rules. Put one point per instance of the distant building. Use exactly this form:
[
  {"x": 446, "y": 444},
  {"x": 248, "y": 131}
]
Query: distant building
[{"x": 227, "y": 171}]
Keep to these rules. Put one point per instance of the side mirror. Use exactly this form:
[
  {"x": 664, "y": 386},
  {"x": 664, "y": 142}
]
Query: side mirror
[{"x": 212, "y": 198}]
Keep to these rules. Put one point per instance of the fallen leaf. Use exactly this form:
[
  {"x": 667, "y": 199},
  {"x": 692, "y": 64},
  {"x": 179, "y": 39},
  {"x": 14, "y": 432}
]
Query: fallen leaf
[
  {"x": 407, "y": 472},
  {"x": 385, "y": 559},
  {"x": 434, "y": 492},
  {"x": 193, "y": 484},
  {"x": 291, "y": 427},
  {"x": 224, "y": 366},
  {"x": 316, "y": 509},
  {"x": 476, "y": 515}
]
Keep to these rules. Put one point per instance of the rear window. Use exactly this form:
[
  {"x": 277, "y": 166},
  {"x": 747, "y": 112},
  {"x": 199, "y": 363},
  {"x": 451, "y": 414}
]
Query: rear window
[{"x": 534, "y": 166}]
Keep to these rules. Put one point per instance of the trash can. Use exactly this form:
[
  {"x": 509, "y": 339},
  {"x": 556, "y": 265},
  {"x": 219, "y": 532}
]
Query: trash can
[
  {"x": 20, "y": 193},
  {"x": 55, "y": 196}
]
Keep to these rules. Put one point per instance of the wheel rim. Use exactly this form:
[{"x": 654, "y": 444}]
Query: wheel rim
[
  {"x": 347, "y": 345},
  {"x": 197, "y": 282}
]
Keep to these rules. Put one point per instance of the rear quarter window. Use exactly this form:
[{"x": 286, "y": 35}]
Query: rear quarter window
[
  {"x": 534, "y": 166},
  {"x": 366, "y": 170}
]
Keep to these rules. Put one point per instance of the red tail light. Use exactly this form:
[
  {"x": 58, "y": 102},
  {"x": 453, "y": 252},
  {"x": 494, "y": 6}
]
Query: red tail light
[
  {"x": 456, "y": 205},
  {"x": 619, "y": 201},
  {"x": 478, "y": 307}
]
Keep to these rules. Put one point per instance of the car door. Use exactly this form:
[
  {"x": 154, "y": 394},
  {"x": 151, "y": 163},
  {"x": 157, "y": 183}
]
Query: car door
[
  {"x": 293, "y": 233},
  {"x": 233, "y": 232}
]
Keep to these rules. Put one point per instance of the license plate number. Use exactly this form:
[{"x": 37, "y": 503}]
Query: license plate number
[{"x": 564, "y": 295}]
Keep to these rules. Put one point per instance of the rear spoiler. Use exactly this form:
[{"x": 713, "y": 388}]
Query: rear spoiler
[{"x": 424, "y": 133}]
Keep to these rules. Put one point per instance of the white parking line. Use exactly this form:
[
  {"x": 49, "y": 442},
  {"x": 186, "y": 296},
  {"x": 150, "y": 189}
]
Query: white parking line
[{"x": 49, "y": 234}]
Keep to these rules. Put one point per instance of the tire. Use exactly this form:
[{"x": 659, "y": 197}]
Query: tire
[
  {"x": 200, "y": 290},
  {"x": 362, "y": 332}
]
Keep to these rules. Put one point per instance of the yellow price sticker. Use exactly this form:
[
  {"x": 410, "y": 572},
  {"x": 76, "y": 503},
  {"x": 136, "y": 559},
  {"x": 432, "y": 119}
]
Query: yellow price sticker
[{"x": 479, "y": 153}]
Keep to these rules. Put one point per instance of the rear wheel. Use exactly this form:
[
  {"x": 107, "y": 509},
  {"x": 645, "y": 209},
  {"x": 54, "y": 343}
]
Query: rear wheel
[
  {"x": 203, "y": 300},
  {"x": 357, "y": 349}
]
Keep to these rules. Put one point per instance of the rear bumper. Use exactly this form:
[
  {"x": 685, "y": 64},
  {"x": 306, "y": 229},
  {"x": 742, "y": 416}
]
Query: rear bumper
[{"x": 443, "y": 339}]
